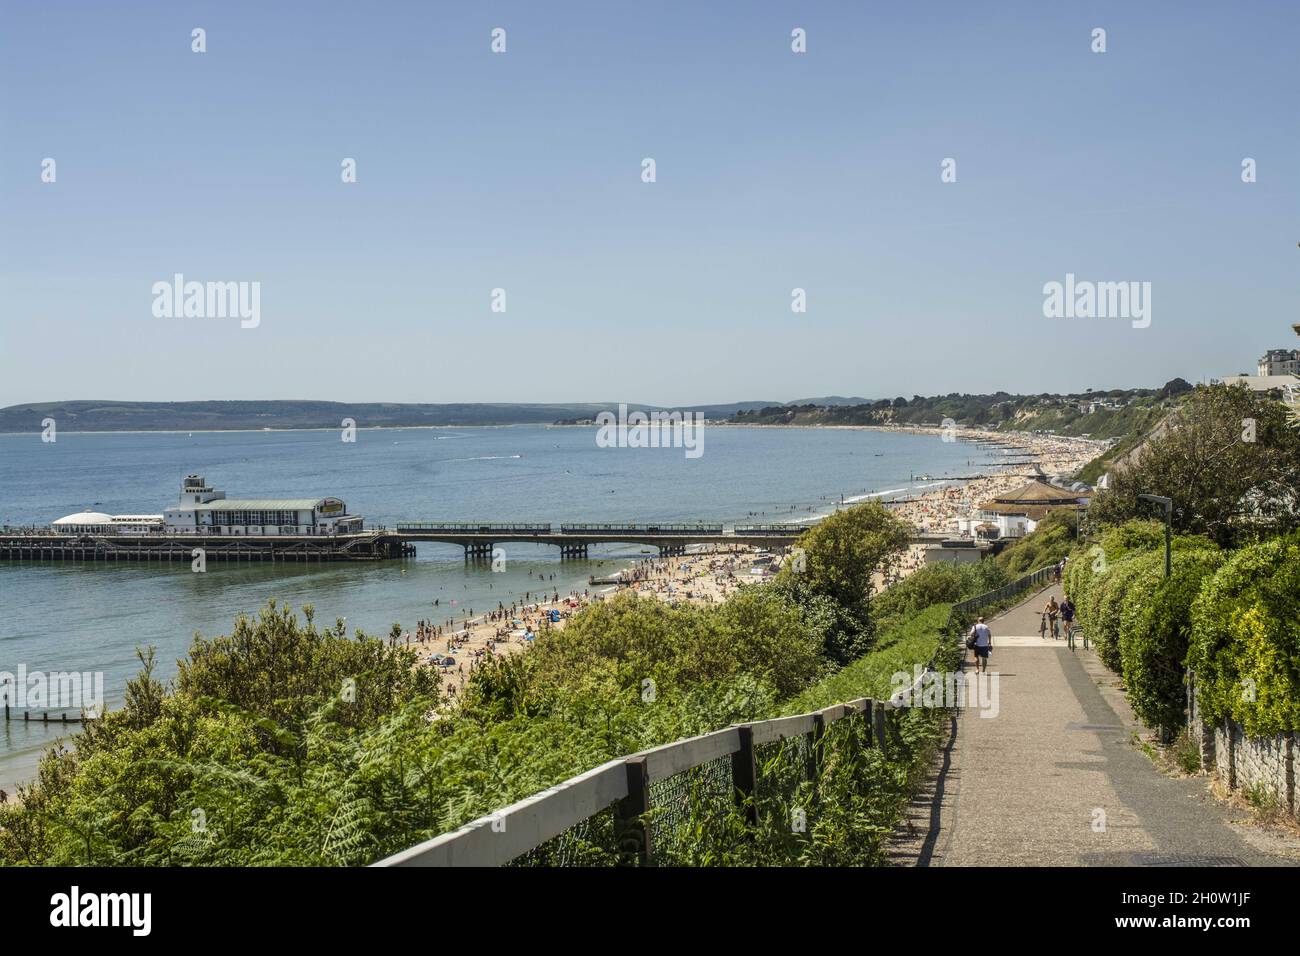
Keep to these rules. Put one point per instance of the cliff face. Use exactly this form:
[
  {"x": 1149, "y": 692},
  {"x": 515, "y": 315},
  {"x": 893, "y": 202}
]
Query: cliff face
[{"x": 1129, "y": 449}]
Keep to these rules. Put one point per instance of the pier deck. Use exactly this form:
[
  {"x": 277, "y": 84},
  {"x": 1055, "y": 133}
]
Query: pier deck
[
  {"x": 378, "y": 544},
  {"x": 184, "y": 548}
]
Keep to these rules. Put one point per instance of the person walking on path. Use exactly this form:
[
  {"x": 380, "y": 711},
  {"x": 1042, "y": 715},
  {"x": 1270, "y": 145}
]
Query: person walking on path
[
  {"x": 981, "y": 642},
  {"x": 1066, "y": 610},
  {"x": 1052, "y": 610}
]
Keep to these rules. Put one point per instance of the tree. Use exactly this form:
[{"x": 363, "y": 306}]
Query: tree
[
  {"x": 843, "y": 550},
  {"x": 1229, "y": 461},
  {"x": 1176, "y": 386}
]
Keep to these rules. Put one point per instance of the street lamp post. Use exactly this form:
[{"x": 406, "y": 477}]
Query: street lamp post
[{"x": 1168, "y": 505}]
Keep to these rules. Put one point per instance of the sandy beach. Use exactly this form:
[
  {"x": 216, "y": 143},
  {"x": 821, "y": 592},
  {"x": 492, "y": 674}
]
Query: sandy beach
[{"x": 709, "y": 574}]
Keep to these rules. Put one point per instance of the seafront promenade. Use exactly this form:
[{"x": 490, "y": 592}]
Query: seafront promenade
[{"x": 1057, "y": 776}]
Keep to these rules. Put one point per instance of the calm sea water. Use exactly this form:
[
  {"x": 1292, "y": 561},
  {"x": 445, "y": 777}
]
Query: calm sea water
[{"x": 92, "y": 617}]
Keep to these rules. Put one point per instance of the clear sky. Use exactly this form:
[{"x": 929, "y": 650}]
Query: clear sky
[{"x": 522, "y": 171}]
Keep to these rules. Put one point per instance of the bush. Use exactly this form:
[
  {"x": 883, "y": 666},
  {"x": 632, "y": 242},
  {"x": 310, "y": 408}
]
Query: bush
[
  {"x": 1106, "y": 603},
  {"x": 1245, "y": 646},
  {"x": 1098, "y": 576},
  {"x": 1155, "y": 626},
  {"x": 933, "y": 584},
  {"x": 1048, "y": 543},
  {"x": 843, "y": 633},
  {"x": 1139, "y": 534},
  {"x": 629, "y": 639},
  {"x": 845, "y": 549}
]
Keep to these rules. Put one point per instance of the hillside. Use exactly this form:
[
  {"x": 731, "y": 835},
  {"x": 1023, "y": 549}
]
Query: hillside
[
  {"x": 1115, "y": 414},
  {"x": 100, "y": 416}
]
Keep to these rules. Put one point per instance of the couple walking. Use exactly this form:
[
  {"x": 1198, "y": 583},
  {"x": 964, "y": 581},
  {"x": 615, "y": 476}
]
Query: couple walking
[{"x": 1052, "y": 612}]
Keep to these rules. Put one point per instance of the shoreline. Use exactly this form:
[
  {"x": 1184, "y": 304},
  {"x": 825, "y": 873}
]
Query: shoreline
[
  {"x": 704, "y": 576},
  {"x": 714, "y": 572}
]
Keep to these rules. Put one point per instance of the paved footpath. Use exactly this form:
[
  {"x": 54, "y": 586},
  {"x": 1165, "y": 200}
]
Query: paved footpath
[{"x": 1056, "y": 777}]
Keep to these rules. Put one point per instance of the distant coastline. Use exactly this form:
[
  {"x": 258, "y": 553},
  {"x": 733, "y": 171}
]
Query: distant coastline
[
  {"x": 86, "y": 416},
  {"x": 1118, "y": 412}
]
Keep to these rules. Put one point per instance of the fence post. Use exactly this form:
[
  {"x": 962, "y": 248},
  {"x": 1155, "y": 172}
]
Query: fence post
[
  {"x": 814, "y": 739},
  {"x": 630, "y": 828},
  {"x": 744, "y": 775},
  {"x": 878, "y": 722}
]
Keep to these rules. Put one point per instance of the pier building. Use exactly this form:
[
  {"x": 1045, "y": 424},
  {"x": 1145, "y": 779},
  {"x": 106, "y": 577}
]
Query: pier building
[{"x": 203, "y": 509}]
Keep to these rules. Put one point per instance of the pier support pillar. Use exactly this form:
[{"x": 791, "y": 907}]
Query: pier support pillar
[{"x": 478, "y": 551}]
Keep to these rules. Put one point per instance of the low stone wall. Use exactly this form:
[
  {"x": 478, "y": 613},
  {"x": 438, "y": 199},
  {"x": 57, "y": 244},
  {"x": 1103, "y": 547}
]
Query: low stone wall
[{"x": 1264, "y": 767}]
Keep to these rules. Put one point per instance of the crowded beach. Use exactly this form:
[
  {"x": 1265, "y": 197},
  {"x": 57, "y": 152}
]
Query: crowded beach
[{"x": 708, "y": 574}]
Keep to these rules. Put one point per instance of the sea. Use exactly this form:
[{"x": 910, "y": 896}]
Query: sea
[{"x": 93, "y": 617}]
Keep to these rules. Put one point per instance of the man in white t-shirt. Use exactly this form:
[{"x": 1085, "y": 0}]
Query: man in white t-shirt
[{"x": 981, "y": 642}]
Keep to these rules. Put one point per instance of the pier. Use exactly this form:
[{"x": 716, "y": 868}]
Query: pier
[
  {"x": 383, "y": 543},
  {"x": 477, "y": 538},
  {"x": 574, "y": 540},
  {"x": 183, "y": 548}
]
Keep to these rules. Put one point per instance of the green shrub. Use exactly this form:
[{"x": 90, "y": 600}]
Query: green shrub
[
  {"x": 1106, "y": 603},
  {"x": 945, "y": 583},
  {"x": 1138, "y": 534},
  {"x": 1049, "y": 542},
  {"x": 902, "y": 646},
  {"x": 1098, "y": 578},
  {"x": 1245, "y": 646},
  {"x": 1155, "y": 625},
  {"x": 1090, "y": 563}
]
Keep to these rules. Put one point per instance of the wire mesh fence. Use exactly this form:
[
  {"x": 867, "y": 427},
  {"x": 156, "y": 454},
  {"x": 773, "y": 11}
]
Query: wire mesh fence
[
  {"x": 683, "y": 801},
  {"x": 591, "y": 843},
  {"x": 784, "y": 766}
]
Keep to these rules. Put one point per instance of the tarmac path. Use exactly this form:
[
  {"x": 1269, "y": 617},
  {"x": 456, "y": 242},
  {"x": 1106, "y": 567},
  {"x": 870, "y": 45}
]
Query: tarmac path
[{"x": 1053, "y": 776}]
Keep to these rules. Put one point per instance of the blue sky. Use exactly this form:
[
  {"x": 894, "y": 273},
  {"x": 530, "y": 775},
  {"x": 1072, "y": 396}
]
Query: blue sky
[{"x": 522, "y": 171}]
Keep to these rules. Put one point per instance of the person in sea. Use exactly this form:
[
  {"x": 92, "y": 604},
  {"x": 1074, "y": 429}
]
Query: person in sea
[{"x": 980, "y": 641}]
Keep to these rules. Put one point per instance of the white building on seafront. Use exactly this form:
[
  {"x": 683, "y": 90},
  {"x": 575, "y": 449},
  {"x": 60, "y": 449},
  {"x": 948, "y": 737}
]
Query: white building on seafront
[
  {"x": 96, "y": 522},
  {"x": 204, "y": 510},
  {"x": 1016, "y": 513}
]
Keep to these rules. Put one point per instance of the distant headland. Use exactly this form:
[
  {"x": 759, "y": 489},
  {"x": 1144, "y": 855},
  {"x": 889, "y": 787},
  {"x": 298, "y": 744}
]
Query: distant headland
[{"x": 1100, "y": 412}]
